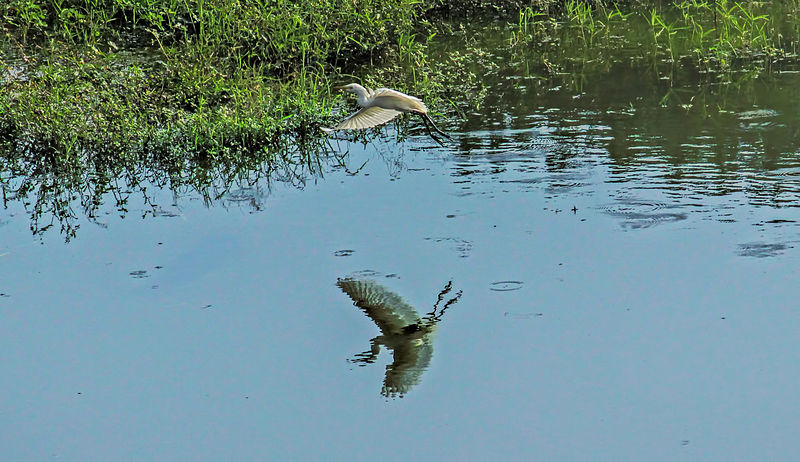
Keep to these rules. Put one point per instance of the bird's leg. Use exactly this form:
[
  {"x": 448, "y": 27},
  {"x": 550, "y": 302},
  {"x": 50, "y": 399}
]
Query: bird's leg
[
  {"x": 430, "y": 133},
  {"x": 433, "y": 315},
  {"x": 428, "y": 124},
  {"x": 428, "y": 120},
  {"x": 450, "y": 302}
]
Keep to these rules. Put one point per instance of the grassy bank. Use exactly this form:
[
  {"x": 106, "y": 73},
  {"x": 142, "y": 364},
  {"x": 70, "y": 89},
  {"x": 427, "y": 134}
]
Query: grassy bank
[
  {"x": 191, "y": 93},
  {"x": 200, "y": 74},
  {"x": 203, "y": 93},
  {"x": 218, "y": 77},
  {"x": 100, "y": 97}
]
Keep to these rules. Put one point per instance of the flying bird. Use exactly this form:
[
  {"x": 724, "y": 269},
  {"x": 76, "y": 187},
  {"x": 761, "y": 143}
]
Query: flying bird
[
  {"x": 382, "y": 105},
  {"x": 403, "y": 331}
]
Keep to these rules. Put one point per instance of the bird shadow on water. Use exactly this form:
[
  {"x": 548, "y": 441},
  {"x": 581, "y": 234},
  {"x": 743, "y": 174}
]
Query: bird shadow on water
[{"x": 409, "y": 335}]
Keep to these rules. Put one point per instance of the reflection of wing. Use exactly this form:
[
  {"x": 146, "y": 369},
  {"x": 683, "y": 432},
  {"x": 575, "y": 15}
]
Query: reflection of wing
[
  {"x": 411, "y": 358},
  {"x": 367, "y": 117},
  {"x": 385, "y": 308}
]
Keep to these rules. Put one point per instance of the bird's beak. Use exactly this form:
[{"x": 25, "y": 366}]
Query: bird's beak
[{"x": 339, "y": 87}]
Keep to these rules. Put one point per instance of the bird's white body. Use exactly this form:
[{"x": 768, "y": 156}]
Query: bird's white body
[
  {"x": 386, "y": 98},
  {"x": 380, "y": 106}
]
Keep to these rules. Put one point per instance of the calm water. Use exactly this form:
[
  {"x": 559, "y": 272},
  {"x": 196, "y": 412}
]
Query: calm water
[{"x": 594, "y": 276}]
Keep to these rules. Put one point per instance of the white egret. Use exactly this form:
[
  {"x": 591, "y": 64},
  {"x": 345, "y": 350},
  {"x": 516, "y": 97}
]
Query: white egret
[
  {"x": 403, "y": 331},
  {"x": 382, "y": 105}
]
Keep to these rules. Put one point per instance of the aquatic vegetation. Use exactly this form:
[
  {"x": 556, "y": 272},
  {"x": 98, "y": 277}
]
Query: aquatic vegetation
[
  {"x": 713, "y": 32},
  {"x": 198, "y": 47},
  {"x": 729, "y": 28},
  {"x": 107, "y": 135},
  {"x": 182, "y": 88},
  {"x": 459, "y": 9},
  {"x": 92, "y": 89},
  {"x": 264, "y": 65}
]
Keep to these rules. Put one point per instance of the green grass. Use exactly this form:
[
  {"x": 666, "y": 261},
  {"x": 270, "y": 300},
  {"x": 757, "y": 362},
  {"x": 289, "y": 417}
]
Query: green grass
[
  {"x": 714, "y": 33},
  {"x": 201, "y": 94},
  {"x": 190, "y": 93}
]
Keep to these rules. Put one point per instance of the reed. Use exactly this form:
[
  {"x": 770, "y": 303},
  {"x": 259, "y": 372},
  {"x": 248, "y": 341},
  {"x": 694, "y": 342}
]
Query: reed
[{"x": 714, "y": 31}]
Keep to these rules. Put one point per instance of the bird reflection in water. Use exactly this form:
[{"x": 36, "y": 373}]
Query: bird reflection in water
[{"x": 403, "y": 331}]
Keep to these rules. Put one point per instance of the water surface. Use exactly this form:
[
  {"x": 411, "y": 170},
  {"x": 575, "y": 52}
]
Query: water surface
[{"x": 627, "y": 273}]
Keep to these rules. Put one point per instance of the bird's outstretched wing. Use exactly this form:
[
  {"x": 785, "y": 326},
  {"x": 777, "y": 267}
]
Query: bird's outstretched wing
[
  {"x": 411, "y": 359},
  {"x": 387, "y": 309},
  {"x": 367, "y": 117},
  {"x": 393, "y": 99}
]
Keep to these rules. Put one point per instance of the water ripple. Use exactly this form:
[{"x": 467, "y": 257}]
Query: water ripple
[
  {"x": 763, "y": 249},
  {"x": 639, "y": 214},
  {"x": 505, "y": 286}
]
